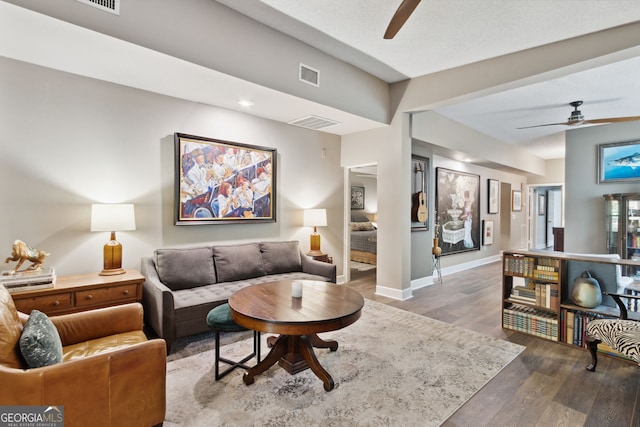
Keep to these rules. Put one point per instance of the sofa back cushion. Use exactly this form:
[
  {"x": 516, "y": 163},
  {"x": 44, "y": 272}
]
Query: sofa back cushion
[
  {"x": 238, "y": 262},
  {"x": 185, "y": 268},
  {"x": 10, "y": 331},
  {"x": 281, "y": 257}
]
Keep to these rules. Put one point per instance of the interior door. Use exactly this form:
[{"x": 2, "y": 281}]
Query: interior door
[{"x": 554, "y": 213}]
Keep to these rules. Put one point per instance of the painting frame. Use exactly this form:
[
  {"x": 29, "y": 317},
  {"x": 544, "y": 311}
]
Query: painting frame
[
  {"x": 487, "y": 232},
  {"x": 619, "y": 162},
  {"x": 419, "y": 183},
  {"x": 458, "y": 203},
  {"x": 357, "y": 197},
  {"x": 223, "y": 182},
  {"x": 493, "y": 196},
  {"x": 516, "y": 200}
]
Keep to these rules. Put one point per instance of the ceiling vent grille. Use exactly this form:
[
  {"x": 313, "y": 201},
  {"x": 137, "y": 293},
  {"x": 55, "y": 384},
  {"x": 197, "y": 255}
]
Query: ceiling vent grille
[
  {"x": 111, "y": 6},
  {"x": 313, "y": 122},
  {"x": 309, "y": 75}
]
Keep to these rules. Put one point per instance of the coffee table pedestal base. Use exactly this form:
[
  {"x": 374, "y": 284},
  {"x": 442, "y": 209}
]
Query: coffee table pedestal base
[{"x": 294, "y": 353}]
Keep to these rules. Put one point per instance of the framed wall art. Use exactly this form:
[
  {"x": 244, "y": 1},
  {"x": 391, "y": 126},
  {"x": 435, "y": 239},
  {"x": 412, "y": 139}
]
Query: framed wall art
[
  {"x": 419, "y": 193},
  {"x": 222, "y": 182},
  {"x": 516, "y": 200},
  {"x": 357, "y": 197},
  {"x": 493, "y": 196},
  {"x": 542, "y": 204},
  {"x": 487, "y": 232},
  {"x": 458, "y": 211},
  {"x": 619, "y": 162}
]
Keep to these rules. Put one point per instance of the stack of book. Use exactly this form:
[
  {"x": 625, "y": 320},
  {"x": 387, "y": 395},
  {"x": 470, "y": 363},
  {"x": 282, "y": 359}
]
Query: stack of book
[{"x": 29, "y": 280}]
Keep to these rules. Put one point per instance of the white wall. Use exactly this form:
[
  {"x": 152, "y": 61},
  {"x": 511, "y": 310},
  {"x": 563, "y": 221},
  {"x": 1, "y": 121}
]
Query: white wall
[{"x": 70, "y": 141}]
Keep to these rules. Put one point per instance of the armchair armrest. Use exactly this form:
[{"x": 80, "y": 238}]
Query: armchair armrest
[{"x": 318, "y": 268}]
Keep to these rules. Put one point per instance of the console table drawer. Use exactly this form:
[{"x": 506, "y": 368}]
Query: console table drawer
[
  {"x": 106, "y": 296},
  {"x": 44, "y": 303}
]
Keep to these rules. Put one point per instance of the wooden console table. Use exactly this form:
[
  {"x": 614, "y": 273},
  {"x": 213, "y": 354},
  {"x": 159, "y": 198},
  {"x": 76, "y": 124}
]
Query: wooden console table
[{"x": 82, "y": 292}]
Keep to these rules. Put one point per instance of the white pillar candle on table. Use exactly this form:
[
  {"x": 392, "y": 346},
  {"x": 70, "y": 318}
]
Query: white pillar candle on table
[{"x": 296, "y": 289}]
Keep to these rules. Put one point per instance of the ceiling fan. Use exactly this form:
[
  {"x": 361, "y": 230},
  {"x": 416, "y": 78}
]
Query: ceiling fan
[
  {"x": 577, "y": 118},
  {"x": 405, "y": 10}
]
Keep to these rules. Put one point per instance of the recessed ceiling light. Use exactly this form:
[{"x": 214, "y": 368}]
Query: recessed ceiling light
[{"x": 245, "y": 103}]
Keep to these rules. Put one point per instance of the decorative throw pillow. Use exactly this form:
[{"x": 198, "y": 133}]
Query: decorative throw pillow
[
  {"x": 281, "y": 257},
  {"x": 40, "y": 342},
  {"x": 185, "y": 268},
  {"x": 361, "y": 226},
  {"x": 238, "y": 262}
]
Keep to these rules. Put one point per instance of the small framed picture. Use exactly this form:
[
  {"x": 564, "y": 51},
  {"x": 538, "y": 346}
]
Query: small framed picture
[
  {"x": 618, "y": 162},
  {"x": 487, "y": 232},
  {"x": 516, "y": 200},
  {"x": 541, "y": 204},
  {"x": 357, "y": 197},
  {"x": 493, "y": 196}
]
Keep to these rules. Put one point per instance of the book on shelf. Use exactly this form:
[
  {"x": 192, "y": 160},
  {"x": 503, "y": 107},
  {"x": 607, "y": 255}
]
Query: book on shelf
[{"x": 531, "y": 321}]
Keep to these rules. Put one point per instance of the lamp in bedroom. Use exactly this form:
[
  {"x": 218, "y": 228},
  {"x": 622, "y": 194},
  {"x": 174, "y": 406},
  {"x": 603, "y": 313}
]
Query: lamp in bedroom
[
  {"x": 315, "y": 218},
  {"x": 112, "y": 217}
]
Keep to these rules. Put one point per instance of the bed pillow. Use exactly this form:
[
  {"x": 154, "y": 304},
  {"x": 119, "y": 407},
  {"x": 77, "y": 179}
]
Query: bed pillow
[
  {"x": 359, "y": 217},
  {"x": 361, "y": 226}
]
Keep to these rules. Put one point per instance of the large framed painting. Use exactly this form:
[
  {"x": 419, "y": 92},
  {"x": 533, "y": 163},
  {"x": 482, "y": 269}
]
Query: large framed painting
[
  {"x": 619, "y": 162},
  {"x": 458, "y": 211},
  {"x": 222, "y": 182},
  {"x": 419, "y": 193}
]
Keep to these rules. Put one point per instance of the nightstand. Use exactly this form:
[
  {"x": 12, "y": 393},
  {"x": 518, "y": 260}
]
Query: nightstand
[
  {"x": 324, "y": 258},
  {"x": 82, "y": 292}
]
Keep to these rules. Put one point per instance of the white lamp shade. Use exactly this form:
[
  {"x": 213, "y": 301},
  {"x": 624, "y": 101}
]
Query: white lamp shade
[
  {"x": 113, "y": 217},
  {"x": 315, "y": 218}
]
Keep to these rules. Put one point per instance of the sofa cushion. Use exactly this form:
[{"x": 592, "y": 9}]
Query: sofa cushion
[
  {"x": 40, "y": 342},
  {"x": 238, "y": 262},
  {"x": 281, "y": 257},
  {"x": 185, "y": 268},
  {"x": 10, "y": 330}
]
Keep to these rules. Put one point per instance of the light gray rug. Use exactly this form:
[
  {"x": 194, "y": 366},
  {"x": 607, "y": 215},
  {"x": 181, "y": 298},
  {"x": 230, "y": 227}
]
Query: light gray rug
[
  {"x": 392, "y": 368},
  {"x": 361, "y": 266}
]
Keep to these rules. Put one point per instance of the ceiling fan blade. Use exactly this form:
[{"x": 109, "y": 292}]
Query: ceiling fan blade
[
  {"x": 405, "y": 10},
  {"x": 548, "y": 124},
  {"x": 613, "y": 119}
]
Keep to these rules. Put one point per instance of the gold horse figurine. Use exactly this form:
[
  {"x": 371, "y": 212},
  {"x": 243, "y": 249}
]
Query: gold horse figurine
[{"x": 22, "y": 252}]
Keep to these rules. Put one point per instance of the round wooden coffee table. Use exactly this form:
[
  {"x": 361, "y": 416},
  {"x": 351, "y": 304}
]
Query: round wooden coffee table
[{"x": 269, "y": 307}]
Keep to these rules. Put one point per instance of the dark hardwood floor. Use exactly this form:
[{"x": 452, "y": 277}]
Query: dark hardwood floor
[{"x": 546, "y": 385}]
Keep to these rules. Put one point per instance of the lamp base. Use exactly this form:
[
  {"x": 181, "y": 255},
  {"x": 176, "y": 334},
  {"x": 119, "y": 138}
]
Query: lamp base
[
  {"x": 112, "y": 272},
  {"x": 315, "y": 253}
]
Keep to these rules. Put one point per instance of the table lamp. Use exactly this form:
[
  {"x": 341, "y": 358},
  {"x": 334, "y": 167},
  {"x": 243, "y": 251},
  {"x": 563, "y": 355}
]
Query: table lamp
[
  {"x": 315, "y": 218},
  {"x": 112, "y": 217}
]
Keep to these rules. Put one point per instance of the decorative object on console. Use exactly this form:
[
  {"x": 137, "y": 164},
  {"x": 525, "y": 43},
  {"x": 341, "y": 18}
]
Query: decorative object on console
[
  {"x": 222, "y": 182},
  {"x": 22, "y": 252},
  {"x": 112, "y": 217},
  {"x": 315, "y": 218},
  {"x": 458, "y": 212},
  {"x": 585, "y": 291}
]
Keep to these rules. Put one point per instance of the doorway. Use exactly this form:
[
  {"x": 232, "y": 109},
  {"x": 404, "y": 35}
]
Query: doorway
[
  {"x": 362, "y": 226},
  {"x": 545, "y": 213}
]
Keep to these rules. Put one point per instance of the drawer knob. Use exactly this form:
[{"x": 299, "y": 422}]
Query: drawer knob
[
  {"x": 89, "y": 296},
  {"x": 56, "y": 303},
  {"x": 126, "y": 292}
]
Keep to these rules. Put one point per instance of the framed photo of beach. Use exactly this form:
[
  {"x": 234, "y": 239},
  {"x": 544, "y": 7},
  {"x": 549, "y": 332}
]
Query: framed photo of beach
[
  {"x": 223, "y": 182},
  {"x": 619, "y": 162}
]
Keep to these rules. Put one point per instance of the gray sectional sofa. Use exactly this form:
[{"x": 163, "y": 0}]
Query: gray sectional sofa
[{"x": 183, "y": 284}]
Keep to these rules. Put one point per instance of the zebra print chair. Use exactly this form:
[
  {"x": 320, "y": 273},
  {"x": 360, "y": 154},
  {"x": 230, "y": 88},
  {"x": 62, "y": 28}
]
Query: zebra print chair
[{"x": 622, "y": 335}]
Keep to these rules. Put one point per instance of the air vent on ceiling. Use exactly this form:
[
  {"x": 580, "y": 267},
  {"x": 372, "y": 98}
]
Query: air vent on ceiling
[
  {"x": 309, "y": 75},
  {"x": 111, "y": 6},
  {"x": 313, "y": 122}
]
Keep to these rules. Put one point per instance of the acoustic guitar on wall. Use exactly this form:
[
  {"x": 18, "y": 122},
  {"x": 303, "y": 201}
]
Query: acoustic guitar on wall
[{"x": 419, "y": 209}]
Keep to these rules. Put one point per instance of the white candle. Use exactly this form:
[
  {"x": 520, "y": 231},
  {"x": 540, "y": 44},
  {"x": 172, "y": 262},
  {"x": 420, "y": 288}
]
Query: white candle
[{"x": 296, "y": 289}]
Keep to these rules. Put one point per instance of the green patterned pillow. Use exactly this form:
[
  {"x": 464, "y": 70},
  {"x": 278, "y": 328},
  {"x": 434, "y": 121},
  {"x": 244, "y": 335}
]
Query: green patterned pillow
[{"x": 40, "y": 342}]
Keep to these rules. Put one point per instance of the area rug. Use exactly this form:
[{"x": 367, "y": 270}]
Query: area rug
[
  {"x": 361, "y": 266},
  {"x": 392, "y": 368}
]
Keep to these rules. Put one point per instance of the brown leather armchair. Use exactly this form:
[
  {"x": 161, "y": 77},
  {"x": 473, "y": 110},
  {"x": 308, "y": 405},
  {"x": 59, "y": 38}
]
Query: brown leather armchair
[{"x": 110, "y": 375}]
